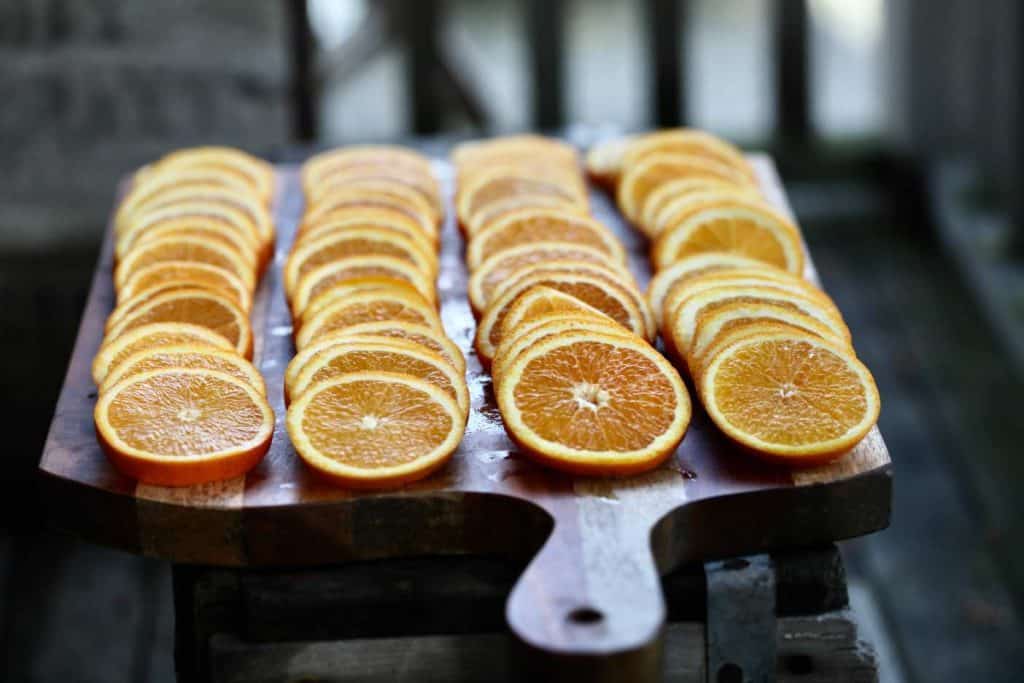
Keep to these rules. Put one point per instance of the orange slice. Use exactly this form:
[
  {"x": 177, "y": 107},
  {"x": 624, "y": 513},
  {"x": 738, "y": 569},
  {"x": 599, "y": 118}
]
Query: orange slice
[
  {"x": 230, "y": 225},
  {"x": 149, "y": 187},
  {"x": 258, "y": 174},
  {"x": 482, "y": 153},
  {"x": 423, "y": 335},
  {"x": 398, "y": 187},
  {"x": 689, "y": 142},
  {"x": 529, "y": 226},
  {"x": 497, "y": 269},
  {"x": 545, "y": 326},
  {"x": 382, "y": 219},
  {"x": 355, "y": 242},
  {"x": 114, "y": 351},
  {"x": 375, "y": 430},
  {"x": 393, "y": 356},
  {"x": 503, "y": 183},
  {"x": 426, "y": 336},
  {"x": 623, "y": 284},
  {"x": 179, "y": 427},
  {"x": 325, "y": 277},
  {"x": 368, "y": 307},
  {"x": 522, "y": 165},
  {"x": 208, "y": 229},
  {"x": 594, "y": 404},
  {"x": 715, "y": 322},
  {"x": 498, "y": 209},
  {"x": 347, "y": 288},
  {"x": 753, "y": 231},
  {"x": 678, "y": 208},
  {"x": 665, "y": 195},
  {"x": 748, "y": 329},
  {"x": 230, "y": 215},
  {"x": 193, "y": 249},
  {"x": 683, "y": 322},
  {"x": 186, "y": 273},
  {"x": 790, "y": 397},
  {"x": 323, "y": 164},
  {"x": 611, "y": 299},
  {"x": 414, "y": 189},
  {"x": 682, "y": 271},
  {"x": 350, "y": 198},
  {"x": 207, "y": 309},
  {"x": 744, "y": 277},
  {"x": 193, "y": 355},
  {"x": 540, "y": 301},
  {"x": 142, "y": 298},
  {"x": 643, "y": 178},
  {"x": 213, "y": 196}
]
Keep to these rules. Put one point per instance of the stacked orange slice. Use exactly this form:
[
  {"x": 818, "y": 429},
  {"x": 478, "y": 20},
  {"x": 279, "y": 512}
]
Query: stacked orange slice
[
  {"x": 179, "y": 402},
  {"x": 692, "y": 193},
  {"x": 561, "y": 322},
  {"x": 376, "y": 392},
  {"x": 769, "y": 352}
]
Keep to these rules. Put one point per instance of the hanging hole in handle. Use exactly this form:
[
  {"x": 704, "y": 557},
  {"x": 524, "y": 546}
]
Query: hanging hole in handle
[
  {"x": 735, "y": 564},
  {"x": 585, "y": 616},
  {"x": 729, "y": 673}
]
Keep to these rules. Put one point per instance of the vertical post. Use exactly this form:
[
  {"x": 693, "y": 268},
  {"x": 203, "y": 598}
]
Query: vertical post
[
  {"x": 666, "y": 23},
  {"x": 545, "y": 35},
  {"x": 303, "y": 78},
  {"x": 792, "y": 72},
  {"x": 420, "y": 24}
]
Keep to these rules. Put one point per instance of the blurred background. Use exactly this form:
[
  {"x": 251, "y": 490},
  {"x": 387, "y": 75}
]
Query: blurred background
[{"x": 896, "y": 125}]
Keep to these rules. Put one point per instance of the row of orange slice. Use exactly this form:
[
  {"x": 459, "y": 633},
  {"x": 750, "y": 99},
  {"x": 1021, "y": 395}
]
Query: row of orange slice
[
  {"x": 179, "y": 401},
  {"x": 376, "y": 392},
  {"x": 769, "y": 353},
  {"x": 562, "y": 324},
  {"x": 692, "y": 193}
]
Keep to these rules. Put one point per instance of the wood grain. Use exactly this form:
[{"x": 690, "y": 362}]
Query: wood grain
[{"x": 601, "y": 543}]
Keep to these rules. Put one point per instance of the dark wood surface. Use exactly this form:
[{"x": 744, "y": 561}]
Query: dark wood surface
[{"x": 601, "y": 543}]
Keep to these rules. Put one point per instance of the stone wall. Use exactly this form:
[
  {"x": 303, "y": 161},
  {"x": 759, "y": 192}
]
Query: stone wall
[{"x": 90, "y": 89}]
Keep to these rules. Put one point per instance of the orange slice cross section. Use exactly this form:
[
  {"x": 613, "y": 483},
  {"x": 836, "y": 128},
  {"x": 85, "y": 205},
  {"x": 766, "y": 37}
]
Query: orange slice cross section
[
  {"x": 208, "y": 309},
  {"x": 749, "y": 230},
  {"x": 391, "y": 356},
  {"x": 375, "y": 430},
  {"x": 179, "y": 427},
  {"x": 790, "y": 397},
  {"x": 541, "y": 225},
  {"x": 200, "y": 356},
  {"x": 594, "y": 404},
  {"x": 114, "y": 351},
  {"x": 497, "y": 270},
  {"x": 365, "y": 307}
]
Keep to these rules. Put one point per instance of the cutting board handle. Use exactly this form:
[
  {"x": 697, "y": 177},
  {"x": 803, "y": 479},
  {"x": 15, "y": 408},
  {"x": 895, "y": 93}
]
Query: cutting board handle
[{"x": 590, "y": 602}]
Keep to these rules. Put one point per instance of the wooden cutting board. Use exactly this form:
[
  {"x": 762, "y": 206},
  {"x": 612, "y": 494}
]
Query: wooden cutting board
[{"x": 592, "y": 587}]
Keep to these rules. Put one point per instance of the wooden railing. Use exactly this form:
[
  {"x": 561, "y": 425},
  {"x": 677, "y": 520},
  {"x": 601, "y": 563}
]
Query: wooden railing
[{"x": 415, "y": 26}]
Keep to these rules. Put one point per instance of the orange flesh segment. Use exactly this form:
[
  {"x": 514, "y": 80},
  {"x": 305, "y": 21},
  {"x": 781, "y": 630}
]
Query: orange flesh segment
[
  {"x": 604, "y": 398},
  {"x": 788, "y": 392},
  {"x": 179, "y": 414}
]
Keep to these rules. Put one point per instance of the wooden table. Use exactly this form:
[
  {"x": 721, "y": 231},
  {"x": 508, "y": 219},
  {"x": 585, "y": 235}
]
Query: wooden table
[{"x": 592, "y": 590}]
